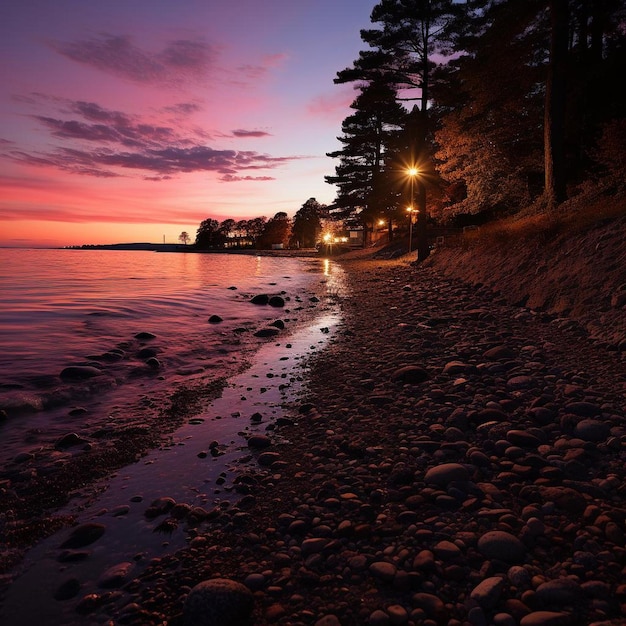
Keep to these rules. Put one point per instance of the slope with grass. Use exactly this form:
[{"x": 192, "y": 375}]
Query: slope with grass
[{"x": 571, "y": 265}]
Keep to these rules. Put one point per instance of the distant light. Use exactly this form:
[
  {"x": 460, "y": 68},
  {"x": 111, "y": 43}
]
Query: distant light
[{"x": 412, "y": 171}]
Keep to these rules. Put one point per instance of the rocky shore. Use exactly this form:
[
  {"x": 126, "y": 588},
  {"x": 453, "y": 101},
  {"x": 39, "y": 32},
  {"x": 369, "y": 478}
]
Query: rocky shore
[{"x": 457, "y": 461}]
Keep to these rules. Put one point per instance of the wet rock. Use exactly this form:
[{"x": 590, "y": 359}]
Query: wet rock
[
  {"x": 79, "y": 372},
  {"x": 261, "y": 298},
  {"x": 276, "y": 301},
  {"x": 68, "y": 441},
  {"x": 115, "y": 576},
  {"x": 67, "y": 590},
  {"x": 259, "y": 442},
  {"x": 145, "y": 335},
  {"x": 84, "y": 535},
  {"x": 218, "y": 602},
  {"x": 215, "y": 319},
  {"x": 266, "y": 332}
]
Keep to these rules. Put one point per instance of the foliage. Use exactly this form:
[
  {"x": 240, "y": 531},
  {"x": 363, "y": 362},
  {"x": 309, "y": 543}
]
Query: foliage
[
  {"x": 307, "y": 224},
  {"x": 276, "y": 232}
]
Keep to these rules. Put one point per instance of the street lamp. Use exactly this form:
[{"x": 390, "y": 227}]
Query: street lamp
[
  {"x": 411, "y": 210},
  {"x": 411, "y": 172}
]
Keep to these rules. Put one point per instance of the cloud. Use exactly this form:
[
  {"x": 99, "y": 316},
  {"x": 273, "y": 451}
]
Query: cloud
[
  {"x": 241, "y": 133},
  {"x": 183, "y": 108},
  {"x": 229, "y": 178},
  {"x": 179, "y": 61},
  {"x": 106, "y": 143}
]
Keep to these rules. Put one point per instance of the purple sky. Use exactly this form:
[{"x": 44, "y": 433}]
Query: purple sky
[{"x": 135, "y": 120}]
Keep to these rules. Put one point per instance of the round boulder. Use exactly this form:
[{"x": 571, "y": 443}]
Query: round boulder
[
  {"x": 218, "y": 602},
  {"x": 497, "y": 544},
  {"x": 443, "y": 475}
]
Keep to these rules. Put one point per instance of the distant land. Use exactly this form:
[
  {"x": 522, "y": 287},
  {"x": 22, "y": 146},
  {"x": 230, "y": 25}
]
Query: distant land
[{"x": 153, "y": 247}]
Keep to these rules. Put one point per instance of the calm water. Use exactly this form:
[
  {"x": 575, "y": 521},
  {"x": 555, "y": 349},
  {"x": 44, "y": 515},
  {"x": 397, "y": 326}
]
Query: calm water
[{"x": 85, "y": 307}]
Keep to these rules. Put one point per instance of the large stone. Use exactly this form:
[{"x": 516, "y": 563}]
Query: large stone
[
  {"x": 218, "y": 602},
  {"x": 497, "y": 544},
  {"x": 411, "y": 374},
  {"x": 443, "y": 475},
  {"x": 84, "y": 535},
  {"x": 80, "y": 372}
]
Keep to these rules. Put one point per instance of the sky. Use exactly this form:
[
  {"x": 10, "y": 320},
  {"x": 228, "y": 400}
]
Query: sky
[{"x": 135, "y": 120}]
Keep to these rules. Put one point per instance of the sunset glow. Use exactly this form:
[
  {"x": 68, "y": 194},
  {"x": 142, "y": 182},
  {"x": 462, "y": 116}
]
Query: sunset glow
[{"x": 124, "y": 122}]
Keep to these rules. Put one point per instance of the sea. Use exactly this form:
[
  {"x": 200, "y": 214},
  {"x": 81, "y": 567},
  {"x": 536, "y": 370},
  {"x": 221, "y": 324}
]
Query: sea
[
  {"x": 136, "y": 326},
  {"x": 109, "y": 311}
]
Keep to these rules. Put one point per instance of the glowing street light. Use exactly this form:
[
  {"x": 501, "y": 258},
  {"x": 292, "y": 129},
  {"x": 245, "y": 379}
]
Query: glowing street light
[{"x": 411, "y": 172}]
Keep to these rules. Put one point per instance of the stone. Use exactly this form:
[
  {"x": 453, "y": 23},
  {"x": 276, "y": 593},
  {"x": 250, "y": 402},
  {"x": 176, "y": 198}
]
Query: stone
[
  {"x": 84, "y": 535},
  {"x": 487, "y": 593},
  {"x": 266, "y": 332},
  {"x": 67, "y": 590},
  {"x": 498, "y": 544},
  {"x": 115, "y": 576},
  {"x": 546, "y": 618},
  {"x": 260, "y": 299},
  {"x": 218, "y": 602},
  {"x": 410, "y": 374},
  {"x": 443, "y": 475},
  {"x": 215, "y": 319},
  {"x": 276, "y": 301},
  {"x": 383, "y": 570},
  {"x": 79, "y": 372},
  {"x": 592, "y": 430},
  {"x": 259, "y": 441}
]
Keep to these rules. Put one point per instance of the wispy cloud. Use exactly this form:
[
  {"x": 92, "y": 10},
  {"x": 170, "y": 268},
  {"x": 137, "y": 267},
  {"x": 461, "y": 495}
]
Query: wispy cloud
[
  {"x": 177, "y": 62},
  {"x": 242, "y": 133},
  {"x": 106, "y": 143}
]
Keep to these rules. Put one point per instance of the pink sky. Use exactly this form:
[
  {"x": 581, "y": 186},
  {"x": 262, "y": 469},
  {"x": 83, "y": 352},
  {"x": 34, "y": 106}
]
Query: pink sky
[{"x": 134, "y": 121}]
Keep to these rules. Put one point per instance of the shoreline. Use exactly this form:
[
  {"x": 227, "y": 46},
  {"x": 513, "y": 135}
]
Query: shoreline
[
  {"x": 437, "y": 416},
  {"x": 37, "y": 483},
  {"x": 352, "y": 533}
]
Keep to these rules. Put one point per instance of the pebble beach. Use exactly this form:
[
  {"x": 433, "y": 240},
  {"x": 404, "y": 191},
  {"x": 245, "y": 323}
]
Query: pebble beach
[
  {"x": 455, "y": 461},
  {"x": 458, "y": 461}
]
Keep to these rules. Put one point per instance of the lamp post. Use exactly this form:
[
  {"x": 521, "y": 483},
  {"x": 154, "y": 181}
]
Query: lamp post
[
  {"x": 411, "y": 210},
  {"x": 411, "y": 172},
  {"x": 422, "y": 215}
]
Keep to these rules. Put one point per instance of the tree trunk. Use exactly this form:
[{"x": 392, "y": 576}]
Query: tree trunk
[
  {"x": 554, "y": 113},
  {"x": 421, "y": 226}
]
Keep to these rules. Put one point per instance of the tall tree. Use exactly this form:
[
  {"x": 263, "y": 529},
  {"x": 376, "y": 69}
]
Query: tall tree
[
  {"x": 555, "y": 100},
  {"x": 307, "y": 224},
  {"x": 364, "y": 191},
  {"x": 410, "y": 34}
]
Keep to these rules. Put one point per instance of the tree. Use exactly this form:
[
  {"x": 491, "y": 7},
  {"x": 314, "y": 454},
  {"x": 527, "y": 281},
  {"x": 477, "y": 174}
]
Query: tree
[
  {"x": 183, "y": 238},
  {"x": 555, "y": 101},
  {"x": 255, "y": 228},
  {"x": 276, "y": 232},
  {"x": 411, "y": 32},
  {"x": 365, "y": 191},
  {"x": 208, "y": 235},
  {"x": 307, "y": 224},
  {"x": 489, "y": 139}
]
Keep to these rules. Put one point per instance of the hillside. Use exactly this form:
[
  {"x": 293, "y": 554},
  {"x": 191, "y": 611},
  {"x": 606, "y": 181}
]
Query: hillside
[{"x": 573, "y": 273}]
